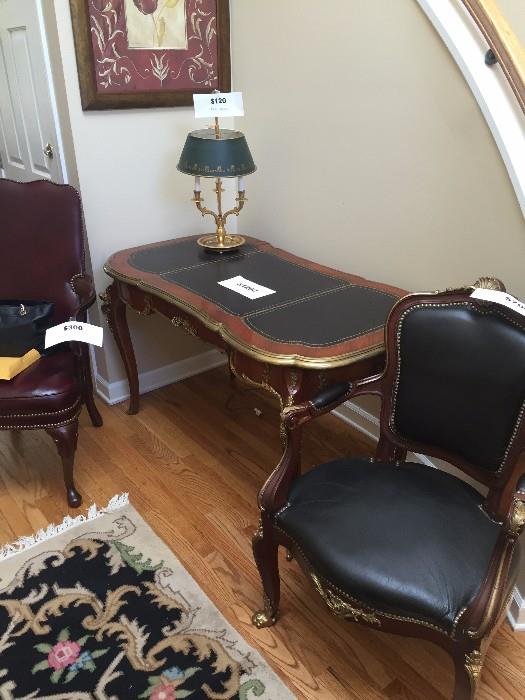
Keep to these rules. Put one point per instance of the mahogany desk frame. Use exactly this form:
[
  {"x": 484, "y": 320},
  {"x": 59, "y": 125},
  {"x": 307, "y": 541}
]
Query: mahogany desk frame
[{"x": 292, "y": 373}]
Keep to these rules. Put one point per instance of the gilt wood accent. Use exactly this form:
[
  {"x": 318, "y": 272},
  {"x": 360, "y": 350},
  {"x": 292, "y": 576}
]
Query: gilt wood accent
[
  {"x": 289, "y": 369},
  {"x": 342, "y": 608},
  {"x": 473, "y": 663}
]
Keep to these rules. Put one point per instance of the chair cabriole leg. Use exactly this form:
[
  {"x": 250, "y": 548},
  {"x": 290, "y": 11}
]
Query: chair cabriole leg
[
  {"x": 65, "y": 438},
  {"x": 467, "y": 666},
  {"x": 87, "y": 390},
  {"x": 265, "y": 552}
]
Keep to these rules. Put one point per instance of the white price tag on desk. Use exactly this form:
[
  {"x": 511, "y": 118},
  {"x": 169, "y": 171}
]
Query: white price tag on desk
[
  {"x": 241, "y": 285},
  {"x": 74, "y": 330},
  {"x": 218, "y": 104}
]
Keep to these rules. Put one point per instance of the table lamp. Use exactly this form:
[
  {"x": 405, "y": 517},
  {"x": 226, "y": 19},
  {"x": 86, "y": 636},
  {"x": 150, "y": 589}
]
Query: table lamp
[{"x": 217, "y": 153}]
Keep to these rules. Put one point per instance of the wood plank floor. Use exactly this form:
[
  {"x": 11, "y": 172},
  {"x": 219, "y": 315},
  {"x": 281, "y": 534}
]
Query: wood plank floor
[{"x": 193, "y": 460}]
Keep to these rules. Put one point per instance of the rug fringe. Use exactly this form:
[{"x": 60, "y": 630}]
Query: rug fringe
[{"x": 26, "y": 542}]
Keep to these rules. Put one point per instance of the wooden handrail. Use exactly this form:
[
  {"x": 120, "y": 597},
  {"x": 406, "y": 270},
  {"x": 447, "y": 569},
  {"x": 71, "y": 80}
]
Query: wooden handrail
[{"x": 503, "y": 42}]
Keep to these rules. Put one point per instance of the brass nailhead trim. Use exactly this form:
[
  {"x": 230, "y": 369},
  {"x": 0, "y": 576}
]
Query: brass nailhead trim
[
  {"x": 41, "y": 413},
  {"x": 40, "y": 427}
]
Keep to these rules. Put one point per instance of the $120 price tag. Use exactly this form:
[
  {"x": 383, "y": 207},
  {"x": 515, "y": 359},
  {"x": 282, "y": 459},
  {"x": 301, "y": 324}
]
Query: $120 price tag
[{"x": 218, "y": 104}]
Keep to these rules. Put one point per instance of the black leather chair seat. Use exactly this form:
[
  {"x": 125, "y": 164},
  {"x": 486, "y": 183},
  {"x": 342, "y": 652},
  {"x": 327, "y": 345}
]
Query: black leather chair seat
[
  {"x": 42, "y": 393},
  {"x": 410, "y": 540}
]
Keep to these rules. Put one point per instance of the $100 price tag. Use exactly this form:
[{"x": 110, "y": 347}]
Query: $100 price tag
[
  {"x": 74, "y": 330},
  {"x": 218, "y": 104}
]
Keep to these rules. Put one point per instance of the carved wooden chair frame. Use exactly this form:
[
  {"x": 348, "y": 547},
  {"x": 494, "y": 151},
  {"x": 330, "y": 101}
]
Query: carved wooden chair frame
[{"x": 505, "y": 503}]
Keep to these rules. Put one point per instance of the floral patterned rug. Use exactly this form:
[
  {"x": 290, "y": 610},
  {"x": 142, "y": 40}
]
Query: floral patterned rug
[{"x": 101, "y": 609}]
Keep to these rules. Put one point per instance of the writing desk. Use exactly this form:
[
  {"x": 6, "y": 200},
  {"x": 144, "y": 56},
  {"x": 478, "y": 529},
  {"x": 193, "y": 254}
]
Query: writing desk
[{"x": 320, "y": 326}]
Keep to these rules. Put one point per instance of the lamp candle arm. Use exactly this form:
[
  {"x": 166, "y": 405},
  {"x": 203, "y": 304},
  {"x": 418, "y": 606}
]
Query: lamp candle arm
[
  {"x": 240, "y": 199},
  {"x": 220, "y": 217},
  {"x": 197, "y": 198}
]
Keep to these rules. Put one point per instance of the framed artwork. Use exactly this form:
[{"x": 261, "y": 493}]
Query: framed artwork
[{"x": 150, "y": 53}]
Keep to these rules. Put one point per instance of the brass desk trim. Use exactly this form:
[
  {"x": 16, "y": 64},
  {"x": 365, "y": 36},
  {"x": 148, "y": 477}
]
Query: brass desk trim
[{"x": 292, "y": 360}]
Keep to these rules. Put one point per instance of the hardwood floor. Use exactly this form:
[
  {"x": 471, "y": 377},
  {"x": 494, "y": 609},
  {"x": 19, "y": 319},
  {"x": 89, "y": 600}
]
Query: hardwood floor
[{"x": 193, "y": 460}]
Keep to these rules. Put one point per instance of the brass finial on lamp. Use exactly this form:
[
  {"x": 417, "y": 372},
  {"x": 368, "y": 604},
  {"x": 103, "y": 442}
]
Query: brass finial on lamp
[{"x": 217, "y": 153}]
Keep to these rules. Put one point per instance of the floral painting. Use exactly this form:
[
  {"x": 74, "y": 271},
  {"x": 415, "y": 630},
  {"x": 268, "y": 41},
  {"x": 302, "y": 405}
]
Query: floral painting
[
  {"x": 135, "y": 53},
  {"x": 156, "y": 24}
]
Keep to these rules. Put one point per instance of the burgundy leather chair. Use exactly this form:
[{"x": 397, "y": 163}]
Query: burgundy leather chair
[
  {"x": 400, "y": 546},
  {"x": 41, "y": 233}
]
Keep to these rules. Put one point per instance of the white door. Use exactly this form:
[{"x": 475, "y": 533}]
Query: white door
[{"x": 28, "y": 134}]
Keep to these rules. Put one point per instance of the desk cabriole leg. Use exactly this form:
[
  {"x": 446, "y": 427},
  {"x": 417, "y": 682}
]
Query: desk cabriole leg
[{"x": 115, "y": 309}]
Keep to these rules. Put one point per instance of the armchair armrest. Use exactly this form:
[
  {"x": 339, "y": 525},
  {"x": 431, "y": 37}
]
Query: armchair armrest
[
  {"x": 275, "y": 491},
  {"x": 85, "y": 290},
  {"x": 323, "y": 402},
  {"x": 327, "y": 399},
  {"x": 334, "y": 394}
]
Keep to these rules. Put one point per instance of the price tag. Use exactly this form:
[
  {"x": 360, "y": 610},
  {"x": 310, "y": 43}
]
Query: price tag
[
  {"x": 74, "y": 330},
  {"x": 500, "y": 298},
  {"x": 241, "y": 285},
  {"x": 218, "y": 104}
]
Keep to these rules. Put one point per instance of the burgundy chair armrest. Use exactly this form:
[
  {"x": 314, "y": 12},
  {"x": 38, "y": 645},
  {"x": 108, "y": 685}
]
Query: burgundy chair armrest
[{"x": 85, "y": 290}]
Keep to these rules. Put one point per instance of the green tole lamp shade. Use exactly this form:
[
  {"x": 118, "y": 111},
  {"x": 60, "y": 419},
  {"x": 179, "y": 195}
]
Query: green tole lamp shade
[{"x": 205, "y": 155}]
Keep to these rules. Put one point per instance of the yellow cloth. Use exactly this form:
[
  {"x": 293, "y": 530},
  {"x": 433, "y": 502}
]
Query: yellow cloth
[{"x": 11, "y": 366}]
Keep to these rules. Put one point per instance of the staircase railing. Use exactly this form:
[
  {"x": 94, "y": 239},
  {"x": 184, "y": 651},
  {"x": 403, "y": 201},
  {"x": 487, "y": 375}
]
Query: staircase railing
[{"x": 503, "y": 43}]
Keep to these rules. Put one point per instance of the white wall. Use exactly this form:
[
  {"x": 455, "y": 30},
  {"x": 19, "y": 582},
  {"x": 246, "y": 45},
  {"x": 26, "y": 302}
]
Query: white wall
[
  {"x": 514, "y": 12},
  {"x": 370, "y": 146},
  {"x": 132, "y": 194}
]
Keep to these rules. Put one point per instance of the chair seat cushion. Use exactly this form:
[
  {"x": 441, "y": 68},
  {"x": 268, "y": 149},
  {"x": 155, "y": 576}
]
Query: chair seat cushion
[
  {"x": 407, "y": 540},
  {"x": 46, "y": 393}
]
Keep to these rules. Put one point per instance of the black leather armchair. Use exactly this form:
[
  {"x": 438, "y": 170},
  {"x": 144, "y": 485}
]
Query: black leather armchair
[{"x": 400, "y": 546}]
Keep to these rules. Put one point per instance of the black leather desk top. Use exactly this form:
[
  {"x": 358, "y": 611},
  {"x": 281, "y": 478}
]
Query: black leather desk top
[{"x": 309, "y": 307}]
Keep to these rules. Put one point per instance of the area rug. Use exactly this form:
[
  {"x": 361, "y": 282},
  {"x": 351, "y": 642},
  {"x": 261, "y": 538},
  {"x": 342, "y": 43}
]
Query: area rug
[{"x": 99, "y": 608}]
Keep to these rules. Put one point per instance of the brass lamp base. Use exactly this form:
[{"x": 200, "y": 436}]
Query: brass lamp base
[{"x": 213, "y": 243}]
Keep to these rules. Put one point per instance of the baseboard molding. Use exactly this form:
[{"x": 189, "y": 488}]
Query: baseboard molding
[
  {"x": 116, "y": 392},
  {"x": 516, "y": 612},
  {"x": 368, "y": 424}
]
